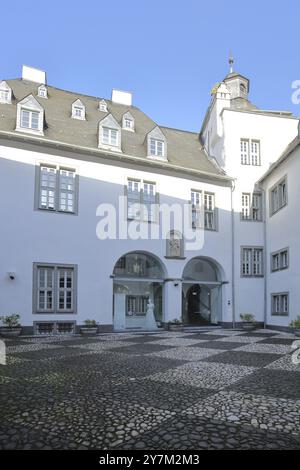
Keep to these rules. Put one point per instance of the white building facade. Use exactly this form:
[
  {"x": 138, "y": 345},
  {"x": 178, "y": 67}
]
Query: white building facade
[{"x": 86, "y": 185}]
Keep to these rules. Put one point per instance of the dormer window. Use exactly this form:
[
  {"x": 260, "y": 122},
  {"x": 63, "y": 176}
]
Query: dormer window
[
  {"x": 109, "y": 136},
  {"x": 103, "y": 106},
  {"x": 156, "y": 148},
  {"x": 30, "y": 116},
  {"x": 5, "y": 93},
  {"x": 78, "y": 110},
  {"x": 42, "y": 91},
  {"x": 128, "y": 122},
  {"x": 30, "y": 119},
  {"x": 157, "y": 144}
]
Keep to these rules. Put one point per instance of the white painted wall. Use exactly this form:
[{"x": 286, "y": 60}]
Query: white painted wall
[
  {"x": 282, "y": 231},
  {"x": 29, "y": 235},
  {"x": 222, "y": 133}
]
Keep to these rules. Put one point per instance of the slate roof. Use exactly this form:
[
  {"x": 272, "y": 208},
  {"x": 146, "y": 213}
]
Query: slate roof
[{"x": 184, "y": 148}]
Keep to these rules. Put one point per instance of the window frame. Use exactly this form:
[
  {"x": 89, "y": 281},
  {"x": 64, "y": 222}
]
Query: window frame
[
  {"x": 56, "y": 267},
  {"x": 280, "y": 296},
  {"x": 31, "y": 112},
  {"x": 140, "y": 200},
  {"x": 156, "y": 142},
  {"x": 250, "y": 196},
  {"x": 279, "y": 254},
  {"x": 55, "y": 324},
  {"x": 7, "y": 93},
  {"x": 42, "y": 91},
  {"x": 280, "y": 202},
  {"x": 202, "y": 211},
  {"x": 110, "y": 130},
  {"x": 253, "y": 263},
  {"x": 57, "y": 189},
  {"x": 247, "y": 155}
]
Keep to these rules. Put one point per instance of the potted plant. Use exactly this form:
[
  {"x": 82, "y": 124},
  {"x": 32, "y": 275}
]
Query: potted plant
[
  {"x": 175, "y": 325},
  {"x": 12, "y": 326},
  {"x": 248, "y": 321},
  {"x": 90, "y": 328},
  {"x": 295, "y": 324}
]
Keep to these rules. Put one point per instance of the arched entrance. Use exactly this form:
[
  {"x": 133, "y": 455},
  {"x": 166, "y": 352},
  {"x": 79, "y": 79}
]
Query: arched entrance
[
  {"x": 138, "y": 278},
  {"x": 201, "y": 292}
]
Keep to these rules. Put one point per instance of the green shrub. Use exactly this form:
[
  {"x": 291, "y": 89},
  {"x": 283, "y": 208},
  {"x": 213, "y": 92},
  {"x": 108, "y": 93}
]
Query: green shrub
[
  {"x": 11, "y": 321},
  {"x": 295, "y": 323},
  {"x": 248, "y": 317},
  {"x": 90, "y": 323}
]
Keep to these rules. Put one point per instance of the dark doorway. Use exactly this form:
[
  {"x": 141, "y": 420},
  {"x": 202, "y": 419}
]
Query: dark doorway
[{"x": 198, "y": 305}]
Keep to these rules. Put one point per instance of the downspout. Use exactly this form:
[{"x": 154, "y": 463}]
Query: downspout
[
  {"x": 232, "y": 256},
  {"x": 265, "y": 257}
]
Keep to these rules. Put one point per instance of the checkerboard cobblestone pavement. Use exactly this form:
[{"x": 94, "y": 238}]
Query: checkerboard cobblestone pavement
[{"x": 220, "y": 389}]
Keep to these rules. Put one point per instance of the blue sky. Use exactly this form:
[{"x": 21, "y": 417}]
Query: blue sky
[{"x": 169, "y": 53}]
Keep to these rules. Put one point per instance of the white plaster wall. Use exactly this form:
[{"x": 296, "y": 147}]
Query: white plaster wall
[
  {"x": 274, "y": 133},
  {"x": 29, "y": 235},
  {"x": 283, "y": 230}
]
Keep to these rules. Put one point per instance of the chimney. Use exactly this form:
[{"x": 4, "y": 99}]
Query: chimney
[
  {"x": 121, "y": 97},
  {"x": 33, "y": 75}
]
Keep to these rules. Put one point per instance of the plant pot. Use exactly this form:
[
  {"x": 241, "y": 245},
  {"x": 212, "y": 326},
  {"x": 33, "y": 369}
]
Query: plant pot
[
  {"x": 297, "y": 332},
  {"x": 174, "y": 327},
  {"x": 248, "y": 326},
  {"x": 10, "y": 332},
  {"x": 89, "y": 330}
]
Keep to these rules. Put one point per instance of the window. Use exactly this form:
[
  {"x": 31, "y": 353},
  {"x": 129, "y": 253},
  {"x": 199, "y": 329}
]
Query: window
[
  {"x": 30, "y": 119},
  {"x": 157, "y": 144},
  {"x": 109, "y": 136},
  {"x": 250, "y": 152},
  {"x": 42, "y": 91},
  {"x": 5, "y": 93},
  {"x": 280, "y": 304},
  {"x": 103, "y": 106},
  {"x": 156, "y": 147},
  {"x": 280, "y": 260},
  {"x": 251, "y": 262},
  {"x": 65, "y": 290},
  {"x": 78, "y": 110},
  {"x": 57, "y": 189},
  {"x": 208, "y": 213},
  {"x": 54, "y": 289},
  {"x": 136, "y": 304},
  {"x": 251, "y": 206},
  {"x": 4, "y": 96},
  {"x": 54, "y": 328},
  {"x": 148, "y": 201},
  {"x": 128, "y": 121},
  {"x": 30, "y": 116},
  {"x": 141, "y": 200},
  {"x": 196, "y": 202},
  {"x": 278, "y": 196}
]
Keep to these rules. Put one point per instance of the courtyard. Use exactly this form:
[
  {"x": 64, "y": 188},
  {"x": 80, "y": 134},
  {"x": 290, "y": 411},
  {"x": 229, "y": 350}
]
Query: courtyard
[{"x": 206, "y": 389}]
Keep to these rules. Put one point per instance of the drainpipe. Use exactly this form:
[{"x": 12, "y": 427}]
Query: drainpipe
[
  {"x": 265, "y": 257},
  {"x": 232, "y": 256}
]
